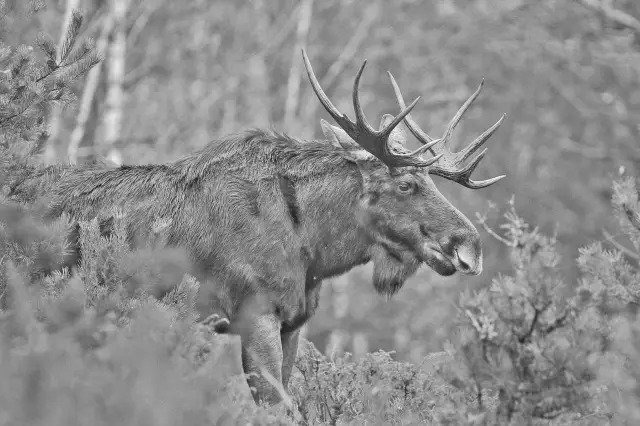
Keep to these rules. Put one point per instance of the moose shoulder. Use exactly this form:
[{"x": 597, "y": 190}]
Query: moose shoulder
[{"x": 266, "y": 218}]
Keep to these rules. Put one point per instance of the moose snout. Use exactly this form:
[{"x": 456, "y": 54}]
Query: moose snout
[
  {"x": 464, "y": 252},
  {"x": 468, "y": 261}
]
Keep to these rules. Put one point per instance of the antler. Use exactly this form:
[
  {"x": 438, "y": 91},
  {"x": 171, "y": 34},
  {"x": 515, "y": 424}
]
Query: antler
[
  {"x": 374, "y": 141},
  {"x": 451, "y": 164}
]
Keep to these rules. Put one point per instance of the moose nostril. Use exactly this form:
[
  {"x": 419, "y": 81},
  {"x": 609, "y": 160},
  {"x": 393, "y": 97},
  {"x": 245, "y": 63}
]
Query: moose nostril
[
  {"x": 468, "y": 262},
  {"x": 464, "y": 266}
]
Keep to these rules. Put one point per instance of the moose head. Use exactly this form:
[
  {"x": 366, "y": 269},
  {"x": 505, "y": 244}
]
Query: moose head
[{"x": 410, "y": 221}]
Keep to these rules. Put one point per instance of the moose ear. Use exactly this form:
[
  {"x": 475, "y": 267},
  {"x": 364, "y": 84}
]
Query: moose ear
[
  {"x": 398, "y": 136},
  {"x": 338, "y": 137}
]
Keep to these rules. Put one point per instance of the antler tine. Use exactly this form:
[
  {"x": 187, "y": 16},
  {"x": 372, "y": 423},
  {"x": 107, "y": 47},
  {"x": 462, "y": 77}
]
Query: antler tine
[
  {"x": 374, "y": 141},
  {"x": 419, "y": 134},
  {"x": 404, "y": 113},
  {"x": 448, "y": 167},
  {"x": 340, "y": 118},
  {"x": 480, "y": 140},
  {"x": 456, "y": 118},
  {"x": 463, "y": 176},
  {"x": 360, "y": 117}
]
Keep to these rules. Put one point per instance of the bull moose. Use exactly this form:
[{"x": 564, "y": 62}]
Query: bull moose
[{"x": 266, "y": 217}]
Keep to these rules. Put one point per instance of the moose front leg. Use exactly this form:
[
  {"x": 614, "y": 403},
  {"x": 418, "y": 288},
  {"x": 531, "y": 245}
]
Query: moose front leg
[
  {"x": 262, "y": 357},
  {"x": 289, "y": 351}
]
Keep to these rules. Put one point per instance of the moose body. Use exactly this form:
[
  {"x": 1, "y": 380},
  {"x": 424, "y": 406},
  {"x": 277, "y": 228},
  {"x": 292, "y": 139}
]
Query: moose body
[{"x": 266, "y": 218}]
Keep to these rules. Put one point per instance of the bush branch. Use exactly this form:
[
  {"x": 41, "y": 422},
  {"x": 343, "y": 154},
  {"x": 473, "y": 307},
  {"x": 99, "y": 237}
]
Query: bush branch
[
  {"x": 620, "y": 247},
  {"x": 615, "y": 15}
]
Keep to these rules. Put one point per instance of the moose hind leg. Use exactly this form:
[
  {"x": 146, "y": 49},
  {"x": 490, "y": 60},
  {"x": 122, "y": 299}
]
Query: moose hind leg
[{"x": 262, "y": 358}]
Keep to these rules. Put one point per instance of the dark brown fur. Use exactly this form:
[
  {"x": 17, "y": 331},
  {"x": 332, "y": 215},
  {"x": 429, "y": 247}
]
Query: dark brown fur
[{"x": 266, "y": 218}]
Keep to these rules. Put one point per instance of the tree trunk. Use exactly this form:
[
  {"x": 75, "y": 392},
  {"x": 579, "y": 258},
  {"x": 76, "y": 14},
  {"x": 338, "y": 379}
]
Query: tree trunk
[
  {"x": 257, "y": 75},
  {"x": 112, "y": 122},
  {"x": 293, "y": 85},
  {"x": 86, "y": 113}
]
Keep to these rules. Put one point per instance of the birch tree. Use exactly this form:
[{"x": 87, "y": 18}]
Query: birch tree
[
  {"x": 88, "y": 110},
  {"x": 117, "y": 50}
]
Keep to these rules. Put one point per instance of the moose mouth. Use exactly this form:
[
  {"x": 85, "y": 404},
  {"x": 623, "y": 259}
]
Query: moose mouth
[
  {"x": 427, "y": 252},
  {"x": 436, "y": 260}
]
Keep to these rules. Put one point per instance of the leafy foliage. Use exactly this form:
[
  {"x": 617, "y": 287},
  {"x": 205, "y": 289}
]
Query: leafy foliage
[
  {"x": 374, "y": 388},
  {"x": 532, "y": 345},
  {"x": 88, "y": 345}
]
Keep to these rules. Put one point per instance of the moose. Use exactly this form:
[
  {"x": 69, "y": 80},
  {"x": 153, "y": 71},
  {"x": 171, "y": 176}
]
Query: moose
[{"x": 266, "y": 218}]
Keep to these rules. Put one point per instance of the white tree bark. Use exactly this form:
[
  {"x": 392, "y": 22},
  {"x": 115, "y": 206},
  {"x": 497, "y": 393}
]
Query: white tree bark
[
  {"x": 112, "y": 121},
  {"x": 257, "y": 75},
  {"x": 616, "y": 15},
  {"x": 90, "y": 87},
  {"x": 293, "y": 85}
]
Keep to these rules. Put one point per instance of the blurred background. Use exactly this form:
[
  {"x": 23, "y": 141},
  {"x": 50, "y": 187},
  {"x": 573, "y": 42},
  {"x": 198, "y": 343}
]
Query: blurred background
[{"x": 177, "y": 75}]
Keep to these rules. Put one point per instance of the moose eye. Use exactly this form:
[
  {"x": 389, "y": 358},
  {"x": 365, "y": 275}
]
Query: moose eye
[{"x": 405, "y": 187}]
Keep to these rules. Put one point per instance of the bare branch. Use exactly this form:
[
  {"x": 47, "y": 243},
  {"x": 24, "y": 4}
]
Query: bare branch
[
  {"x": 274, "y": 42},
  {"x": 346, "y": 55},
  {"x": 293, "y": 84},
  {"x": 482, "y": 220},
  {"x": 619, "y": 246},
  {"x": 141, "y": 22},
  {"x": 593, "y": 153},
  {"x": 612, "y": 14},
  {"x": 633, "y": 216},
  {"x": 351, "y": 47},
  {"x": 559, "y": 322}
]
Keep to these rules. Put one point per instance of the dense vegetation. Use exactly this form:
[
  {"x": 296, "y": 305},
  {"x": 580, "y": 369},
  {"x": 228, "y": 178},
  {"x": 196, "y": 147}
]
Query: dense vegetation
[{"x": 116, "y": 340}]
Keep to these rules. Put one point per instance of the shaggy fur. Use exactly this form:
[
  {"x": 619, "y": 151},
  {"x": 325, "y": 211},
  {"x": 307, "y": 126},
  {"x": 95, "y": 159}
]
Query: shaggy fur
[{"x": 266, "y": 218}]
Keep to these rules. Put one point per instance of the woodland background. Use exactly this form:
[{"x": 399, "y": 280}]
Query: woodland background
[{"x": 176, "y": 75}]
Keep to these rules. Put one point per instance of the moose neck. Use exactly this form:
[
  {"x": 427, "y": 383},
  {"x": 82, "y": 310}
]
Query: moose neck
[{"x": 329, "y": 204}]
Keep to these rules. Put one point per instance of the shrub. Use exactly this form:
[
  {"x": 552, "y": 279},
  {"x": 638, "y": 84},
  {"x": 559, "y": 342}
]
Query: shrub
[
  {"x": 86, "y": 346},
  {"x": 372, "y": 389},
  {"x": 532, "y": 345}
]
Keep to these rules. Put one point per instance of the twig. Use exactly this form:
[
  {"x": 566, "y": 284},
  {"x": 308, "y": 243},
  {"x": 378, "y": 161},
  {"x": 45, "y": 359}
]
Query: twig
[
  {"x": 274, "y": 42},
  {"x": 565, "y": 92},
  {"x": 482, "y": 221},
  {"x": 345, "y": 57},
  {"x": 613, "y": 14},
  {"x": 632, "y": 216},
  {"x": 140, "y": 23},
  {"x": 586, "y": 151},
  {"x": 619, "y": 246},
  {"x": 351, "y": 47},
  {"x": 135, "y": 75},
  {"x": 536, "y": 315},
  {"x": 559, "y": 322}
]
